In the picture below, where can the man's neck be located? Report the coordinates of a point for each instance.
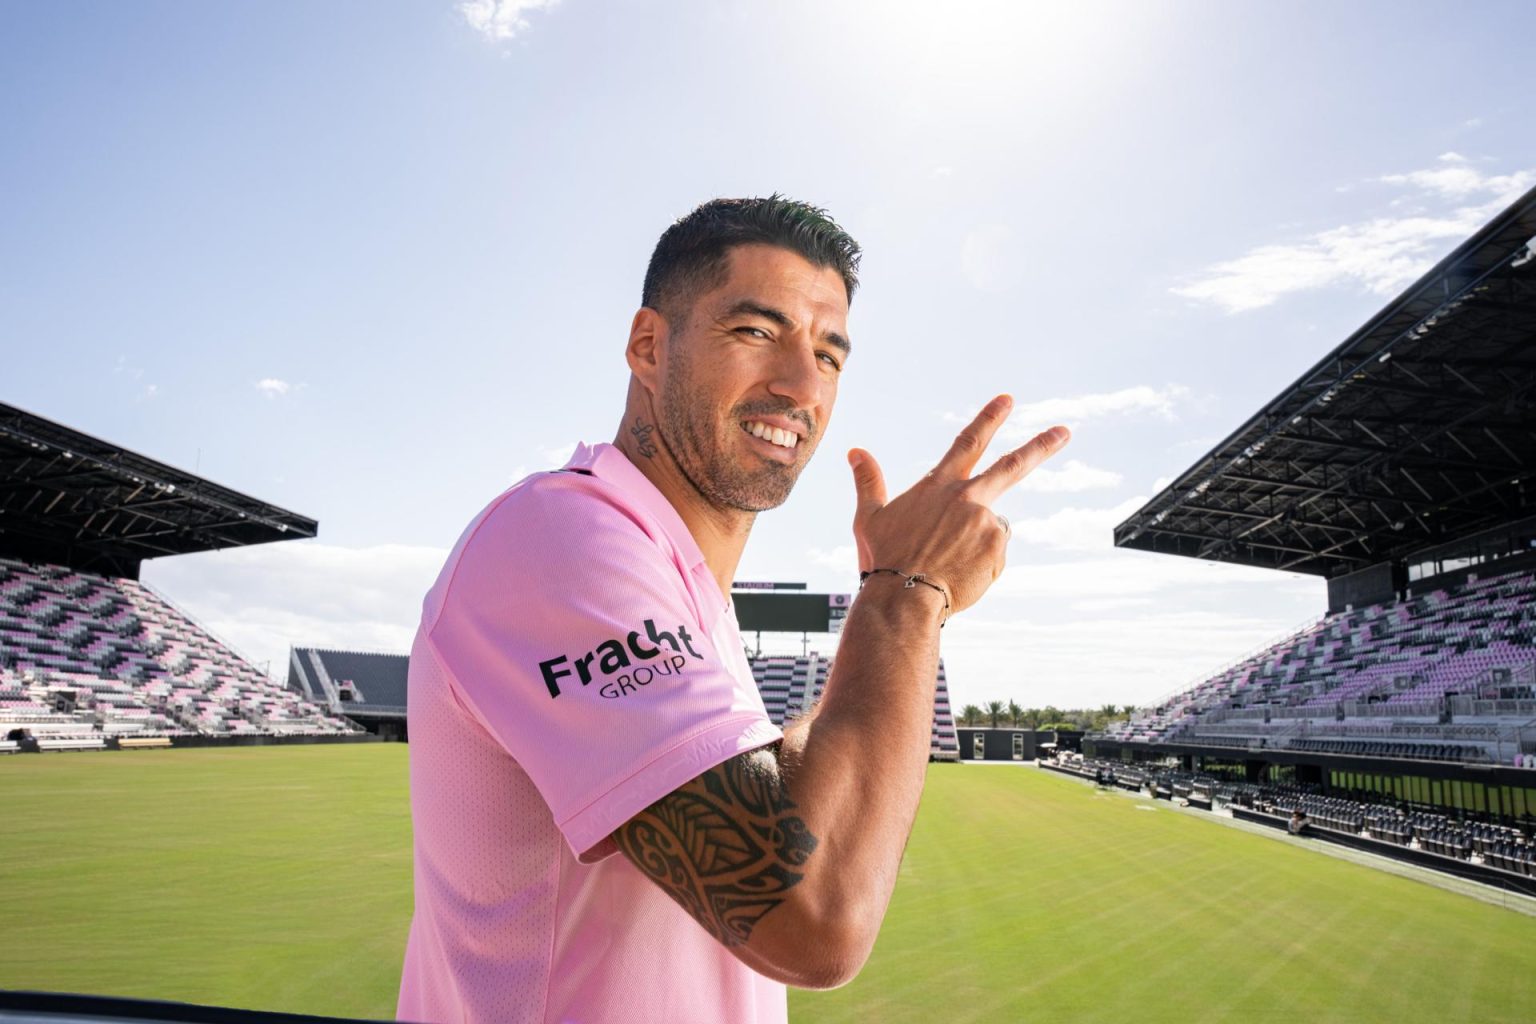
(721, 534)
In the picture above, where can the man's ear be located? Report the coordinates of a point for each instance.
(647, 344)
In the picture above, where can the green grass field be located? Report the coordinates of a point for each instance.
(279, 878)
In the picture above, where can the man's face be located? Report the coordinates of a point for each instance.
(750, 376)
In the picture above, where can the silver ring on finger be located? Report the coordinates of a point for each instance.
(1002, 521)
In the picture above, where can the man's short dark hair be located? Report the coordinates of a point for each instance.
(693, 254)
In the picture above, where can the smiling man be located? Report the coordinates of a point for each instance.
(608, 826)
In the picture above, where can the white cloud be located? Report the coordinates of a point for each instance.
(149, 393)
(1138, 657)
(1382, 254)
(1122, 574)
(271, 387)
(1110, 604)
(1455, 178)
(500, 20)
(1070, 477)
(844, 558)
(1030, 418)
(1076, 529)
(263, 599)
(1125, 402)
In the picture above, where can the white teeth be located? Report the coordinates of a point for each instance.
(773, 435)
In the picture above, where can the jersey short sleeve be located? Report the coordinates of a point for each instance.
(578, 632)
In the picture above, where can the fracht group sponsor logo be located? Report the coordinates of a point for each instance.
(625, 664)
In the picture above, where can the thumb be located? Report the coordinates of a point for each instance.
(868, 483)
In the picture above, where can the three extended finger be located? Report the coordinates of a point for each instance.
(973, 440)
(1017, 464)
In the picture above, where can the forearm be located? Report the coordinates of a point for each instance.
(876, 712)
(855, 766)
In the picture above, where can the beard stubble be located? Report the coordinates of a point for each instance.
(698, 445)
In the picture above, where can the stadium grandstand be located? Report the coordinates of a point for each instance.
(366, 687)
(1399, 469)
(92, 658)
(792, 683)
(370, 688)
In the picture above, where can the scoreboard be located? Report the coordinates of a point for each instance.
(760, 609)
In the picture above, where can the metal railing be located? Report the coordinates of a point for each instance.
(1405, 709)
(1472, 707)
(1499, 741)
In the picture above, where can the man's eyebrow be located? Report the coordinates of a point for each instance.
(746, 307)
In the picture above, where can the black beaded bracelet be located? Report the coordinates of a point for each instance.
(912, 580)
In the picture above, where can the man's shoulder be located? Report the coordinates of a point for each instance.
(557, 501)
(553, 518)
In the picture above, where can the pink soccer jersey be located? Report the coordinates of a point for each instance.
(576, 661)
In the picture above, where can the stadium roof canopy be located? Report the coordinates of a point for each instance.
(1419, 429)
(75, 500)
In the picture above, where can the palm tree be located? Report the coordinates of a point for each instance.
(995, 711)
(970, 714)
(1034, 716)
(1015, 714)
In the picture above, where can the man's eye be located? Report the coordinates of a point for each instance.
(830, 360)
(756, 332)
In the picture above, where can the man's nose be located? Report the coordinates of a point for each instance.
(797, 376)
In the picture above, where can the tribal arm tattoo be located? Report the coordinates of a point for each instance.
(726, 846)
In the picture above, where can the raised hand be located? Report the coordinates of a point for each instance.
(943, 526)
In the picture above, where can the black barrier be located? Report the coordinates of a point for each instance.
(258, 740)
(30, 745)
(60, 1008)
(1061, 770)
(1484, 873)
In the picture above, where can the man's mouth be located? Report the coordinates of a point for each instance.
(773, 435)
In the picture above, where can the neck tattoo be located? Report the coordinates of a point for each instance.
(644, 443)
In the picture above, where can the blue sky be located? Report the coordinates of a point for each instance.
(374, 261)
